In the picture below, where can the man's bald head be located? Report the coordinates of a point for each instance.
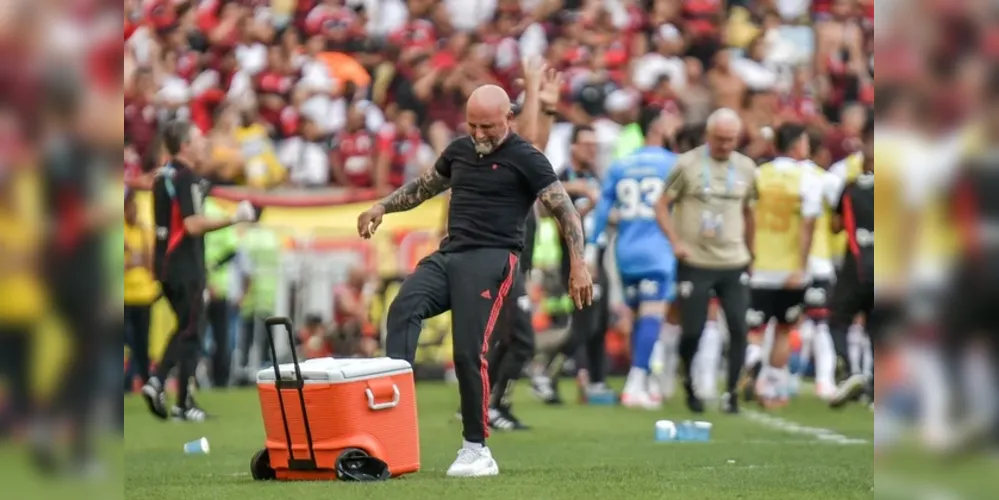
(724, 128)
(488, 115)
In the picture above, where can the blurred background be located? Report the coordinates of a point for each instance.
(314, 108)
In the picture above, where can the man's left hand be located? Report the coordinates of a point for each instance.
(580, 285)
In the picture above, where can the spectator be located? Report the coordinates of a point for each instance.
(315, 338)
(844, 139)
(306, 156)
(398, 144)
(354, 334)
(351, 153)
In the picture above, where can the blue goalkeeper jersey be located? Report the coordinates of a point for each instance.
(631, 186)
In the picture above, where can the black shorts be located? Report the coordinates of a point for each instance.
(781, 304)
(817, 298)
(187, 300)
(850, 297)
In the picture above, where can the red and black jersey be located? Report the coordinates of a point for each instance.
(355, 151)
(177, 194)
(403, 148)
(856, 208)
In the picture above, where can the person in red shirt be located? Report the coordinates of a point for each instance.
(398, 144)
(352, 151)
(844, 140)
(140, 112)
(354, 334)
(315, 338)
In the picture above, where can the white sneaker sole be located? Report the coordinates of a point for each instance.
(491, 470)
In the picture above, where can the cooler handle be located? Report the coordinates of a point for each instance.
(382, 406)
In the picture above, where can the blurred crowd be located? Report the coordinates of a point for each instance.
(363, 94)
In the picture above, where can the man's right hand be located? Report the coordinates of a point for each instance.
(680, 250)
(369, 220)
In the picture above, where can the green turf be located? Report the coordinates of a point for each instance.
(573, 452)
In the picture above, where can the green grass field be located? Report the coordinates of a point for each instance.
(574, 452)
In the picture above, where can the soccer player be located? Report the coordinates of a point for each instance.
(790, 200)
(589, 325)
(644, 256)
(854, 292)
(815, 338)
(495, 177)
(179, 262)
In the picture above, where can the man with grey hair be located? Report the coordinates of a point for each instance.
(711, 191)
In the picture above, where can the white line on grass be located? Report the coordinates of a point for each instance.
(818, 433)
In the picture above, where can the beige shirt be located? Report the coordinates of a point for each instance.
(708, 207)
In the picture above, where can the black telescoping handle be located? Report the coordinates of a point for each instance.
(298, 384)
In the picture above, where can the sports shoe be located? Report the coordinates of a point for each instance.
(694, 403)
(155, 398)
(541, 386)
(502, 419)
(640, 400)
(849, 390)
(473, 462)
(730, 403)
(189, 414)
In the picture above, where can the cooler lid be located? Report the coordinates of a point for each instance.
(338, 370)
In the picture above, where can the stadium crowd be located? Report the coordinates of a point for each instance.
(354, 93)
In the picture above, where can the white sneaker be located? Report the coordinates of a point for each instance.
(640, 400)
(473, 462)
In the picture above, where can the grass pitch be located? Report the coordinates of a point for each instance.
(804, 451)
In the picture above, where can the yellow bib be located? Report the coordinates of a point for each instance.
(823, 239)
(890, 218)
(20, 235)
(140, 287)
(778, 219)
(262, 168)
(837, 242)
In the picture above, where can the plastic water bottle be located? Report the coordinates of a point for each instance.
(665, 431)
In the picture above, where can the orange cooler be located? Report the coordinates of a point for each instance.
(366, 404)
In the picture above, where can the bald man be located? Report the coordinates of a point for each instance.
(711, 191)
(494, 176)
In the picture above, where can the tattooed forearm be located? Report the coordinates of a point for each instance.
(416, 191)
(558, 203)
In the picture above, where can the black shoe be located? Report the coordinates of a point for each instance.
(730, 403)
(502, 419)
(155, 398)
(747, 386)
(694, 403)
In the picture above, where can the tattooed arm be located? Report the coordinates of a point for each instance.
(558, 203)
(416, 191)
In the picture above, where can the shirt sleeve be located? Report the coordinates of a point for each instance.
(443, 163)
(536, 169)
(811, 193)
(676, 184)
(832, 185)
(186, 190)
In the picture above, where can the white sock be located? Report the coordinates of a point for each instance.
(669, 337)
(767, 382)
(855, 343)
(754, 354)
(709, 352)
(468, 445)
(825, 356)
(635, 383)
(868, 357)
(658, 358)
(807, 332)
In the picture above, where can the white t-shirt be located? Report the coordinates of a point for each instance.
(307, 162)
(650, 67)
(466, 15)
(755, 75)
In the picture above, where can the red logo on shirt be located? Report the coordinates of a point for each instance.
(495, 166)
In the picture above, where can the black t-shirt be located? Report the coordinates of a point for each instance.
(530, 234)
(177, 194)
(491, 194)
(72, 183)
(856, 208)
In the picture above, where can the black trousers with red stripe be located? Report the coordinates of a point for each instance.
(473, 285)
(184, 348)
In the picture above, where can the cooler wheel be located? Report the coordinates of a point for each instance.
(260, 466)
